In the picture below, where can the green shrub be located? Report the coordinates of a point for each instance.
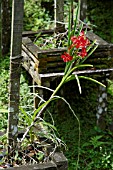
(35, 17)
(100, 14)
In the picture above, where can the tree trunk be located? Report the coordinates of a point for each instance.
(15, 69)
(6, 26)
(83, 10)
(59, 15)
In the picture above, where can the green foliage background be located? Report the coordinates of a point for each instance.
(100, 14)
(35, 16)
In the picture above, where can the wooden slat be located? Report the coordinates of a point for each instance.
(30, 46)
(29, 54)
(31, 64)
(91, 36)
(29, 33)
(98, 71)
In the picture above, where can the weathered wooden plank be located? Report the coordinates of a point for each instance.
(93, 37)
(31, 67)
(29, 54)
(33, 33)
(51, 51)
(98, 71)
(42, 166)
(30, 46)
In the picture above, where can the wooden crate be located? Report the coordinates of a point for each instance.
(37, 61)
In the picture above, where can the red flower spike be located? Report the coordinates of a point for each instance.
(74, 39)
(66, 57)
(81, 41)
(83, 53)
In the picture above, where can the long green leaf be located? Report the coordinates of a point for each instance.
(67, 67)
(78, 66)
(69, 78)
(37, 110)
(93, 50)
(91, 79)
(73, 77)
(80, 29)
(85, 58)
(78, 82)
(49, 125)
(43, 105)
(27, 117)
(91, 45)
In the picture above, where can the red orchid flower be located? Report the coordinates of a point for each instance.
(83, 52)
(80, 41)
(66, 57)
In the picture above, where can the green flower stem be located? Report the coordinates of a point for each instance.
(59, 86)
(42, 108)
